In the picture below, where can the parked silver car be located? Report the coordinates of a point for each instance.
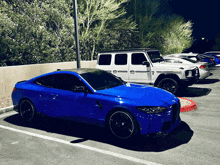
(203, 66)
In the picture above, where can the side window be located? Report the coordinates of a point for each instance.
(105, 59)
(208, 53)
(170, 61)
(121, 59)
(67, 81)
(177, 61)
(46, 81)
(137, 58)
(59, 81)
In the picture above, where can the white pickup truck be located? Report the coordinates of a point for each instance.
(147, 66)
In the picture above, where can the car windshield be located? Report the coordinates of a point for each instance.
(155, 56)
(190, 60)
(102, 80)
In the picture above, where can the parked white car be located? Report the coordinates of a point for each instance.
(204, 70)
(147, 66)
(195, 56)
(216, 53)
(192, 56)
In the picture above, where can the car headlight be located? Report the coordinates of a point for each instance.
(188, 73)
(151, 109)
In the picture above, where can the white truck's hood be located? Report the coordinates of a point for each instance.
(168, 65)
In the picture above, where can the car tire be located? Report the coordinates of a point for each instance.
(27, 110)
(169, 85)
(122, 125)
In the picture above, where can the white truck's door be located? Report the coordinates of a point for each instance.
(137, 71)
(120, 66)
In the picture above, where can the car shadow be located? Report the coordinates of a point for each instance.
(208, 81)
(85, 132)
(194, 92)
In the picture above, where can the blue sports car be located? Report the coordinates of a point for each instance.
(206, 58)
(98, 97)
(215, 54)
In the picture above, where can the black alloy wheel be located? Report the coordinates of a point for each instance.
(27, 110)
(169, 85)
(122, 125)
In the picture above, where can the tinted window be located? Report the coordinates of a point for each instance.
(190, 60)
(67, 81)
(47, 81)
(208, 53)
(170, 61)
(155, 56)
(215, 53)
(102, 80)
(105, 59)
(137, 58)
(121, 59)
(60, 81)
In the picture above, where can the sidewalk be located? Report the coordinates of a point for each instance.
(5, 102)
(187, 105)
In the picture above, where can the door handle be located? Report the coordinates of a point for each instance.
(132, 71)
(114, 71)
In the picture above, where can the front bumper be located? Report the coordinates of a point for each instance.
(194, 78)
(189, 81)
(160, 124)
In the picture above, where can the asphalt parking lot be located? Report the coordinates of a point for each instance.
(196, 141)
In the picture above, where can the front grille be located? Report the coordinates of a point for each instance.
(175, 112)
(195, 72)
(166, 126)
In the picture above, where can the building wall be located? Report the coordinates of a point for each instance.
(11, 74)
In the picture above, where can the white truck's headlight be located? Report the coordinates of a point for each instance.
(188, 73)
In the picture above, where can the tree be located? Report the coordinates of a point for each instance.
(42, 31)
(99, 25)
(6, 30)
(160, 29)
(176, 36)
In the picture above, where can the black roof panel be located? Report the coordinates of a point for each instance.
(129, 50)
(79, 70)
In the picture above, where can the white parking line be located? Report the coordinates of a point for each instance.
(121, 156)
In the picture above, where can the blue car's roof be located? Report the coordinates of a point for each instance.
(79, 70)
(74, 71)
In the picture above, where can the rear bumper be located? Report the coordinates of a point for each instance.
(204, 74)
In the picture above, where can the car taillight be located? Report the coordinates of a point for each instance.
(219, 58)
(14, 89)
(212, 59)
(202, 67)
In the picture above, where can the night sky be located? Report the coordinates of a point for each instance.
(204, 14)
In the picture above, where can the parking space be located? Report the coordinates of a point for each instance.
(195, 142)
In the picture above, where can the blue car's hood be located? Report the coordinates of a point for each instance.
(141, 94)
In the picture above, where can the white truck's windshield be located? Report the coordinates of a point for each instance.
(155, 56)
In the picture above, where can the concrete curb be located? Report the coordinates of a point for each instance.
(185, 108)
(6, 109)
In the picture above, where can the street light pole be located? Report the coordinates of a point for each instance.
(76, 34)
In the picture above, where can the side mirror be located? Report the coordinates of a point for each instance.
(146, 63)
